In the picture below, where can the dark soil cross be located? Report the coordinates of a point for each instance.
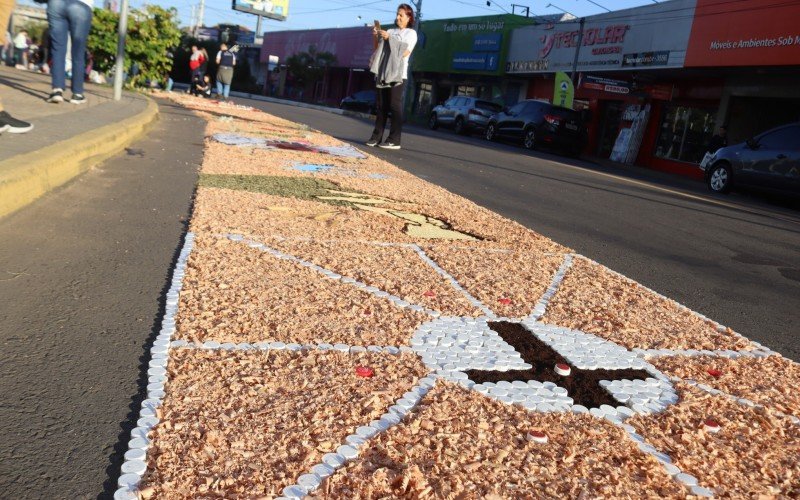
(583, 386)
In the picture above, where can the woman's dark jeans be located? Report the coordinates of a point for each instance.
(73, 18)
(389, 99)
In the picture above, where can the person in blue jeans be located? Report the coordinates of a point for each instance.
(226, 60)
(71, 18)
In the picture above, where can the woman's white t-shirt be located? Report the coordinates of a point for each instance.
(409, 37)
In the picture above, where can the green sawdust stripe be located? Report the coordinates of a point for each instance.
(309, 188)
(306, 188)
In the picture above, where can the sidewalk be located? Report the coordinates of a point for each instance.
(66, 140)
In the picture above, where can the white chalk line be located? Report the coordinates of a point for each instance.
(453, 282)
(375, 291)
(354, 443)
(541, 306)
(135, 464)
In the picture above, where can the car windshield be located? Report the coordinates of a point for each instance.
(488, 106)
(564, 113)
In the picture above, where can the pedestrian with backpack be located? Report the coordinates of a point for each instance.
(226, 61)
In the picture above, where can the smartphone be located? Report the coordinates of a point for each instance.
(377, 24)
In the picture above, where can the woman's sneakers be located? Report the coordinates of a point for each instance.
(13, 126)
(389, 145)
(57, 96)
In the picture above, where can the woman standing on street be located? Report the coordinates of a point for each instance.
(391, 98)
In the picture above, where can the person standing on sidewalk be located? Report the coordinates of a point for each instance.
(21, 50)
(390, 99)
(69, 19)
(7, 122)
(226, 60)
(196, 61)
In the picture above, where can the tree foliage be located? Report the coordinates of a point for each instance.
(152, 34)
(308, 67)
(36, 30)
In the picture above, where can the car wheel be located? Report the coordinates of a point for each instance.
(720, 180)
(459, 127)
(529, 140)
(491, 132)
(433, 122)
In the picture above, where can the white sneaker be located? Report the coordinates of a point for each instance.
(56, 96)
(389, 145)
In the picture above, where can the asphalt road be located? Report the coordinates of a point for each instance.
(83, 273)
(733, 258)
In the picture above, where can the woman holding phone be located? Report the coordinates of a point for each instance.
(390, 99)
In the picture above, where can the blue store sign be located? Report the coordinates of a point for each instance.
(475, 61)
(487, 42)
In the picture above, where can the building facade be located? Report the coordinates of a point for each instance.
(464, 56)
(352, 48)
(659, 80)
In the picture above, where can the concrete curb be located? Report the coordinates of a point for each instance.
(31, 175)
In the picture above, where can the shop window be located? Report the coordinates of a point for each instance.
(469, 90)
(685, 133)
(424, 96)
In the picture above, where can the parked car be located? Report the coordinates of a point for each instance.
(463, 113)
(769, 160)
(539, 123)
(362, 101)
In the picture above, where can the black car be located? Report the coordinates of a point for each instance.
(539, 123)
(363, 102)
(770, 160)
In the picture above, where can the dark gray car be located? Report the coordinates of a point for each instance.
(770, 160)
(463, 113)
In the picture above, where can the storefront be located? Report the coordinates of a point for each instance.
(351, 47)
(659, 80)
(464, 56)
(757, 44)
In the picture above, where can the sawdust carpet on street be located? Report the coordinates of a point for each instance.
(246, 424)
(772, 381)
(753, 453)
(234, 293)
(595, 300)
(458, 443)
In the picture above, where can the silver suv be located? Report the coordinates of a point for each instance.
(464, 113)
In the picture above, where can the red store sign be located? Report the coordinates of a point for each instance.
(745, 33)
(591, 36)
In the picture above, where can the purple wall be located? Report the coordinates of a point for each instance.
(352, 46)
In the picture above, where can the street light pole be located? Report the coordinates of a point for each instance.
(410, 90)
(577, 51)
(119, 65)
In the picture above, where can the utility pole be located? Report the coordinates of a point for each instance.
(119, 63)
(577, 52)
(200, 14)
(410, 90)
